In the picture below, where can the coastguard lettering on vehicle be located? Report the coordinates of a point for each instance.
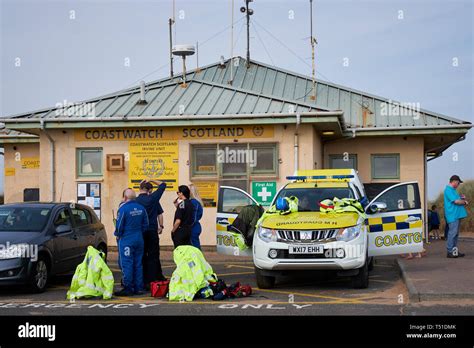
(226, 240)
(213, 132)
(401, 239)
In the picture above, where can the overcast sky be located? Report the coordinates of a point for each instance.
(411, 51)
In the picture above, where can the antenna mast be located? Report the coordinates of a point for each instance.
(171, 21)
(232, 44)
(313, 43)
(248, 12)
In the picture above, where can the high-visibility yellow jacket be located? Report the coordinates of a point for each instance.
(191, 274)
(92, 278)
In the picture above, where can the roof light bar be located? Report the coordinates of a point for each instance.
(318, 177)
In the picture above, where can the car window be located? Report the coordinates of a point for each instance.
(233, 201)
(402, 197)
(63, 218)
(81, 217)
(309, 198)
(23, 218)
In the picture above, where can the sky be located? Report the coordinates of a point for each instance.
(412, 51)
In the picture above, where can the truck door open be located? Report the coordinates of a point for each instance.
(398, 228)
(230, 202)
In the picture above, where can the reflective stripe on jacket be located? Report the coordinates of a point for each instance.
(92, 278)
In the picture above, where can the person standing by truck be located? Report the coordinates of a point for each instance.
(454, 210)
(183, 218)
(198, 211)
(151, 257)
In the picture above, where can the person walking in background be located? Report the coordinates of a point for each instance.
(183, 218)
(198, 211)
(151, 257)
(454, 210)
(434, 222)
(132, 222)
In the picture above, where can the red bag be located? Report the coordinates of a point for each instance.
(159, 289)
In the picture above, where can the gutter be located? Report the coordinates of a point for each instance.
(448, 126)
(171, 117)
(53, 159)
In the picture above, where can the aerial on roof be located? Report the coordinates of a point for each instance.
(259, 89)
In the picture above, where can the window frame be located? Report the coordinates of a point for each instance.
(384, 155)
(249, 173)
(79, 152)
(339, 156)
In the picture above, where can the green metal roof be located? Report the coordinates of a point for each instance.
(13, 136)
(259, 89)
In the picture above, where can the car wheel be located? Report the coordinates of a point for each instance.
(371, 264)
(264, 282)
(39, 275)
(361, 280)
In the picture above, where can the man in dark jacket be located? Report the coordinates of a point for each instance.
(151, 257)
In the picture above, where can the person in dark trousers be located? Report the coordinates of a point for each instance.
(454, 211)
(151, 257)
(132, 222)
(183, 218)
(434, 222)
(198, 211)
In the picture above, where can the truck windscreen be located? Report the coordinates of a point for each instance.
(308, 198)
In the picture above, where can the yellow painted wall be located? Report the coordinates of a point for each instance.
(311, 155)
(113, 182)
(23, 178)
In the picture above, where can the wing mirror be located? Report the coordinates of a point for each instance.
(63, 229)
(377, 207)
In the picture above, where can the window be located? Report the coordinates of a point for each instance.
(81, 217)
(233, 201)
(204, 160)
(89, 162)
(343, 161)
(234, 164)
(264, 159)
(386, 166)
(63, 218)
(402, 197)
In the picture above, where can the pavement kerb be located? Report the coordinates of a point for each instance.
(413, 293)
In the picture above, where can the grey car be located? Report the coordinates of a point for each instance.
(40, 240)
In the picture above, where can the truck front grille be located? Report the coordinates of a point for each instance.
(306, 236)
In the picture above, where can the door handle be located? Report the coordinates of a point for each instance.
(223, 222)
(412, 219)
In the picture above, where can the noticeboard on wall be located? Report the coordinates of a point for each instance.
(89, 193)
(208, 192)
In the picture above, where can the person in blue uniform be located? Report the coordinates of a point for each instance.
(132, 222)
(151, 258)
(198, 211)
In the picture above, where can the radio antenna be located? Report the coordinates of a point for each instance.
(313, 43)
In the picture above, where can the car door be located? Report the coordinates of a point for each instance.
(64, 242)
(83, 229)
(230, 201)
(398, 228)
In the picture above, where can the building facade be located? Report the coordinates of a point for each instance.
(250, 133)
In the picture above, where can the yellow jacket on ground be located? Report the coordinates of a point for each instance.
(191, 274)
(92, 278)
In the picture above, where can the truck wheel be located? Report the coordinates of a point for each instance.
(361, 280)
(371, 264)
(264, 282)
(39, 275)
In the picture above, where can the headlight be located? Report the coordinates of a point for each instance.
(349, 233)
(266, 234)
(13, 251)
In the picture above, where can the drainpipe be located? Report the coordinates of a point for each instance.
(53, 158)
(298, 121)
(425, 194)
